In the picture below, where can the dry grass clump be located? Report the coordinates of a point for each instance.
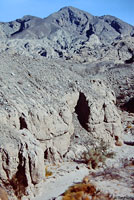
(129, 126)
(47, 172)
(129, 162)
(118, 143)
(85, 191)
(97, 155)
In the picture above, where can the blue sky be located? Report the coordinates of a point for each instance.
(13, 9)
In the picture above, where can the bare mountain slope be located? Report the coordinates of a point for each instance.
(69, 33)
(70, 19)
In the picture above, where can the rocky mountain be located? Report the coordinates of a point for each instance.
(70, 20)
(69, 33)
(65, 83)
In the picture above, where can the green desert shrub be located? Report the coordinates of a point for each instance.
(97, 155)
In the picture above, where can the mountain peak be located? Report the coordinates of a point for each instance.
(75, 23)
(74, 10)
(68, 7)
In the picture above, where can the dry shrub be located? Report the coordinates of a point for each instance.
(85, 191)
(97, 155)
(47, 172)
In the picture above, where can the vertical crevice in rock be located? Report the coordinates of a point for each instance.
(19, 180)
(46, 154)
(105, 118)
(129, 106)
(23, 123)
(82, 110)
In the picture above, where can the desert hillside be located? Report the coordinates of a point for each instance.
(66, 93)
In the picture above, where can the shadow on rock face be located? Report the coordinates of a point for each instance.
(82, 110)
(19, 182)
(129, 61)
(129, 106)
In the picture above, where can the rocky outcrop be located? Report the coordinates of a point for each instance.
(21, 162)
(38, 99)
(97, 113)
(80, 22)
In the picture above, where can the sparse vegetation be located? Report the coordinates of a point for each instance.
(47, 172)
(129, 126)
(85, 191)
(97, 155)
(129, 162)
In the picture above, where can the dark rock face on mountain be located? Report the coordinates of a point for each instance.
(59, 80)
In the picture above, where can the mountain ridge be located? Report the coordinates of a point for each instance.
(70, 33)
(70, 14)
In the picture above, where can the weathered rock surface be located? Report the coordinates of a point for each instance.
(21, 161)
(38, 99)
(3, 194)
(54, 109)
(115, 178)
